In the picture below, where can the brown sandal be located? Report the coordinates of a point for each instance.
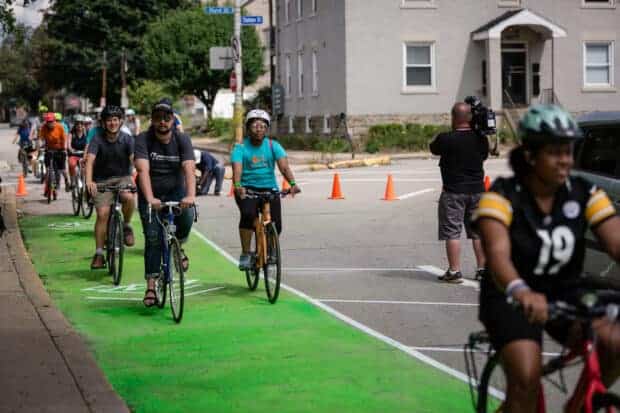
(150, 300)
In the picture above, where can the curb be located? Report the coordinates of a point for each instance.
(96, 391)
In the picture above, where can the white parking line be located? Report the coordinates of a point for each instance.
(460, 350)
(356, 324)
(204, 291)
(416, 193)
(369, 180)
(140, 299)
(337, 300)
(333, 269)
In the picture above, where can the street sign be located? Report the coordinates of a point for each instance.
(220, 58)
(251, 20)
(219, 10)
(277, 99)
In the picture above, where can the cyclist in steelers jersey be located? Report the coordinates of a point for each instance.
(533, 227)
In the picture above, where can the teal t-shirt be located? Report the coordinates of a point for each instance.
(92, 132)
(258, 162)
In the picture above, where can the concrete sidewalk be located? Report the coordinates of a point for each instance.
(46, 366)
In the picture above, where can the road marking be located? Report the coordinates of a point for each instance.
(369, 180)
(323, 269)
(131, 288)
(431, 269)
(362, 327)
(204, 291)
(460, 350)
(416, 193)
(337, 300)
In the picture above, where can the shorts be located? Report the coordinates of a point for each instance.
(455, 210)
(60, 159)
(104, 199)
(505, 323)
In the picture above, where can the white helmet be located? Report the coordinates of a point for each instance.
(79, 118)
(197, 154)
(88, 119)
(258, 114)
(130, 112)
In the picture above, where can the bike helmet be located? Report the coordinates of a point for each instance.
(49, 117)
(111, 111)
(58, 116)
(130, 112)
(258, 114)
(544, 124)
(164, 105)
(79, 118)
(43, 109)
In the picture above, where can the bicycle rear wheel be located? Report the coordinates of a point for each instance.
(492, 378)
(118, 249)
(272, 269)
(50, 185)
(252, 275)
(176, 283)
(602, 402)
(76, 199)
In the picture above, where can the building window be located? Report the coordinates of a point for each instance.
(602, 4)
(288, 76)
(598, 64)
(300, 74)
(419, 68)
(287, 11)
(315, 74)
(300, 9)
(307, 123)
(314, 6)
(418, 4)
(326, 128)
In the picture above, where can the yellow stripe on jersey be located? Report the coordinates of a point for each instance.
(599, 207)
(493, 205)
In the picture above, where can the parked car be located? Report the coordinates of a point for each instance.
(597, 158)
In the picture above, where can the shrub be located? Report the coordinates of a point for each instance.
(219, 127)
(409, 137)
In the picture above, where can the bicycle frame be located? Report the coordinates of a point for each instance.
(167, 231)
(259, 230)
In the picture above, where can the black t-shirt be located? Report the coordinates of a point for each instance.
(165, 160)
(546, 249)
(112, 158)
(462, 154)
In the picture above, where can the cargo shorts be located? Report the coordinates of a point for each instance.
(455, 210)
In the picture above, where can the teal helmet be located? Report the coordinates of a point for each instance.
(544, 124)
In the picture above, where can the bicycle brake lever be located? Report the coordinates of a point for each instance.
(149, 212)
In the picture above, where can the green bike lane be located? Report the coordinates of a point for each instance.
(233, 351)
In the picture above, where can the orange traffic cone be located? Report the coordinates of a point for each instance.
(389, 190)
(231, 193)
(487, 183)
(336, 192)
(285, 185)
(21, 186)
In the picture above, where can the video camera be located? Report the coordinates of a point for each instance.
(482, 118)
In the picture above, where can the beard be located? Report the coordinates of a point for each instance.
(163, 129)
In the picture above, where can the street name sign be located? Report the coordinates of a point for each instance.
(219, 10)
(251, 20)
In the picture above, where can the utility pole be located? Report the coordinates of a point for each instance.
(124, 99)
(238, 116)
(104, 74)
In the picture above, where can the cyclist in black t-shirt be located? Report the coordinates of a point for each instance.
(533, 229)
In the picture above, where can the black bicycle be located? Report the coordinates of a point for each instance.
(266, 255)
(115, 246)
(597, 298)
(77, 186)
(52, 178)
(172, 274)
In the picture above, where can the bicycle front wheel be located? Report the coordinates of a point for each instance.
(119, 249)
(252, 275)
(87, 204)
(492, 378)
(176, 283)
(603, 402)
(272, 269)
(76, 199)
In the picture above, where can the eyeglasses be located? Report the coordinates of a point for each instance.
(159, 118)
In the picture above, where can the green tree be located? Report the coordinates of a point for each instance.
(176, 50)
(7, 19)
(80, 31)
(145, 93)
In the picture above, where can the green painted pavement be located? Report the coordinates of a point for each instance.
(233, 351)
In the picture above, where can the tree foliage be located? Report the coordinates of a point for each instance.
(80, 31)
(145, 93)
(176, 50)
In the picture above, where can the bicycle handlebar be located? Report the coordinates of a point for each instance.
(175, 206)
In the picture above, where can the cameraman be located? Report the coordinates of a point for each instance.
(462, 153)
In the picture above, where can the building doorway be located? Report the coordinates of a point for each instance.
(514, 74)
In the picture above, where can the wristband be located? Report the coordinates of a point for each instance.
(292, 183)
(237, 184)
(514, 286)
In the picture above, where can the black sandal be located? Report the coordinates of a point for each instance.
(151, 300)
(184, 261)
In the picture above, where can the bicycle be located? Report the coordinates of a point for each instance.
(267, 246)
(77, 186)
(24, 158)
(115, 246)
(590, 393)
(172, 275)
(52, 178)
(40, 169)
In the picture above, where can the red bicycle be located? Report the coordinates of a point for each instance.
(590, 394)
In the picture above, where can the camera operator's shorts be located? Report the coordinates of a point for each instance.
(455, 210)
(103, 199)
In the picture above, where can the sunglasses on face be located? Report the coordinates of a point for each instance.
(159, 118)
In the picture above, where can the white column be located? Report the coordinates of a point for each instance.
(494, 73)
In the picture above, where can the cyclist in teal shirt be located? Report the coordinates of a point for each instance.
(254, 164)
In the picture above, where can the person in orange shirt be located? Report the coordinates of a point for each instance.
(54, 138)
